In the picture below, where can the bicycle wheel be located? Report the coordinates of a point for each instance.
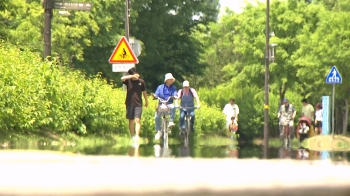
(165, 132)
(188, 129)
(286, 136)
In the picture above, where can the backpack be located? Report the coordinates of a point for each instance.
(182, 92)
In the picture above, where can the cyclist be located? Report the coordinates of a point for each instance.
(286, 114)
(164, 91)
(187, 96)
(135, 86)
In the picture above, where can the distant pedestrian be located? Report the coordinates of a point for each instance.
(307, 110)
(318, 119)
(231, 110)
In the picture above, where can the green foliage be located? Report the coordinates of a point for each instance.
(41, 96)
(166, 28)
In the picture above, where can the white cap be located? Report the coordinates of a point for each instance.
(169, 76)
(185, 84)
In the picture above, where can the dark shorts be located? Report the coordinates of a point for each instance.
(318, 124)
(133, 112)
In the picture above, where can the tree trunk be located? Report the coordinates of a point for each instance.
(346, 116)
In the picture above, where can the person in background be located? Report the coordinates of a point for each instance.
(307, 110)
(134, 88)
(164, 91)
(187, 96)
(286, 114)
(318, 119)
(231, 110)
(232, 128)
(303, 131)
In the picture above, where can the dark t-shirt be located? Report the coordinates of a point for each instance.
(134, 92)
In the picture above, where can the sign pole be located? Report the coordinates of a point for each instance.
(126, 29)
(333, 92)
(267, 62)
(333, 78)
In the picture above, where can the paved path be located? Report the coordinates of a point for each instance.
(49, 173)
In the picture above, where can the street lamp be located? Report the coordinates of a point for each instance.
(267, 62)
(272, 52)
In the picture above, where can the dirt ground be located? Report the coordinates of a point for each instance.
(49, 173)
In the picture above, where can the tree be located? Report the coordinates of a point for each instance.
(287, 21)
(326, 47)
(166, 28)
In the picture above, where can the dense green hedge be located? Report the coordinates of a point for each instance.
(39, 96)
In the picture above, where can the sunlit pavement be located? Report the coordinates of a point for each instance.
(48, 173)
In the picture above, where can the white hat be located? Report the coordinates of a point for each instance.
(169, 76)
(185, 84)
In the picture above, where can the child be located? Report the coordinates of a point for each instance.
(303, 131)
(303, 128)
(318, 119)
(232, 127)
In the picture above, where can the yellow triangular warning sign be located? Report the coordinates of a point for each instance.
(123, 53)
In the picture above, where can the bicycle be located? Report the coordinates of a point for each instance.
(188, 126)
(164, 111)
(285, 134)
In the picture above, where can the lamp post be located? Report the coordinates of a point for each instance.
(267, 62)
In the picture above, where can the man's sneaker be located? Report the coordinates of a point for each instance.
(157, 150)
(158, 135)
(136, 139)
(171, 124)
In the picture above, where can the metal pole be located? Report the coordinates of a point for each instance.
(333, 110)
(267, 61)
(127, 15)
(47, 27)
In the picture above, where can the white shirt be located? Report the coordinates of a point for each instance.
(231, 110)
(318, 115)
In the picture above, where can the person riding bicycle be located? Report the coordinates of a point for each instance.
(164, 91)
(286, 114)
(187, 96)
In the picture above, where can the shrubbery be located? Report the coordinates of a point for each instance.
(39, 96)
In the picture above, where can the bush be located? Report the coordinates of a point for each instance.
(40, 96)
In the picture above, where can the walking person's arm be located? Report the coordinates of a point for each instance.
(146, 98)
(237, 112)
(128, 77)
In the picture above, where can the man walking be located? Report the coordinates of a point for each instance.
(307, 110)
(231, 110)
(135, 87)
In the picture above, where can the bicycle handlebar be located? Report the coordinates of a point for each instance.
(186, 108)
(162, 100)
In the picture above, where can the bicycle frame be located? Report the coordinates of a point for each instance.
(164, 111)
(187, 123)
(287, 130)
(286, 139)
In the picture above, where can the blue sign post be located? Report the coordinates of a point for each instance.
(333, 77)
(325, 115)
